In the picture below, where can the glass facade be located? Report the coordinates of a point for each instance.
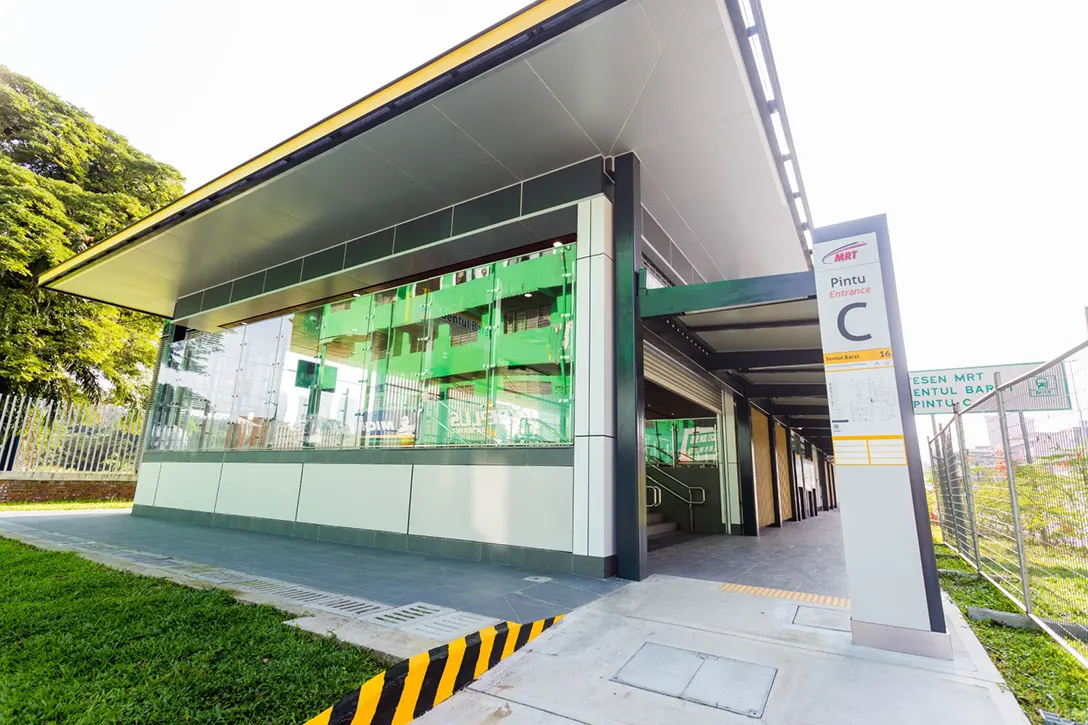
(682, 442)
(478, 357)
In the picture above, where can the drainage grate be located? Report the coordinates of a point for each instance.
(449, 626)
(351, 606)
(327, 601)
(408, 614)
(538, 579)
(291, 592)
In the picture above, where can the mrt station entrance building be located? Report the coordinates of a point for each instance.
(543, 301)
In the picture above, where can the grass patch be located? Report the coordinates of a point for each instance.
(81, 643)
(949, 560)
(64, 505)
(1039, 672)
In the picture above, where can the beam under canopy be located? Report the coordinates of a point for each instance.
(689, 298)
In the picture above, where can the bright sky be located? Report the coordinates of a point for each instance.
(963, 121)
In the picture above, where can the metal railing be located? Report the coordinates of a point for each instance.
(50, 436)
(1017, 508)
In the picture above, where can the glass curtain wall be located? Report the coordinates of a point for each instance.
(477, 357)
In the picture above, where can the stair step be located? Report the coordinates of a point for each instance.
(665, 527)
(654, 517)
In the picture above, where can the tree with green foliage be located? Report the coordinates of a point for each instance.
(67, 183)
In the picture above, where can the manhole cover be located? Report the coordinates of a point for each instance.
(720, 682)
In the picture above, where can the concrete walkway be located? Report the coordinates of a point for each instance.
(394, 578)
(802, 556)
(674, 650)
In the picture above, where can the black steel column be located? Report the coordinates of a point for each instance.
(775, 494)
(813, 508)
(802, 490)
(795, 504)
(630, 495)
(823, 483)
(746, 470)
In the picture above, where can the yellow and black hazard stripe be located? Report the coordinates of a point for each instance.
(413, 686)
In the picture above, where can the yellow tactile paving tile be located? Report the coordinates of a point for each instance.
(785, 594)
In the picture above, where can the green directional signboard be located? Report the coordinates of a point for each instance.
(937, 391)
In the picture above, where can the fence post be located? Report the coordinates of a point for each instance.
(965, 474)
(1012, 492)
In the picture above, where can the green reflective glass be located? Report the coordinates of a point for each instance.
(530, 392)
(477, 357)
(684, 441)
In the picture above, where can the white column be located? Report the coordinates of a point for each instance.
(594, 384)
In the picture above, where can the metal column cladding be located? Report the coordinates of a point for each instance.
(630, 495)
(746, 469)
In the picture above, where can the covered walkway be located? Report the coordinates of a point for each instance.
(801, 557)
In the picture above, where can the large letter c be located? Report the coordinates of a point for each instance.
(842, 323)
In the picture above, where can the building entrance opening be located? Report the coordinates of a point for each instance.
(685, 488)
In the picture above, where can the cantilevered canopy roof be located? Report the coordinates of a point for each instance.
(562, 81)
(761, 336)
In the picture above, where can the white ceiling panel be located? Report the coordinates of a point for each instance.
(786, 311)
(767, 338)
(512, 114)
(699, 17)
(695, 78)
(663, 16)
(598, 73)
(427, 146)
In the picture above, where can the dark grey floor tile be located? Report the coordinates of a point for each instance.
(529, 610)
(559, 594)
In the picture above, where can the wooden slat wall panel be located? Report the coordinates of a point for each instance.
(782, 452)
(761, 449)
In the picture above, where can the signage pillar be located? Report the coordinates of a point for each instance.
(895, 600)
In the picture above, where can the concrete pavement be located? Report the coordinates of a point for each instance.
(674, 650)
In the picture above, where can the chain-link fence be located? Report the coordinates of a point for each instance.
(1017, 507)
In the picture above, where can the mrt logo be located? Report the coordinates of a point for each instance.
(845, 253)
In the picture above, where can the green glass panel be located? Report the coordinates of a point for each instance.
(455, 401)
(530, 386)
(684, 441)
(477, 357)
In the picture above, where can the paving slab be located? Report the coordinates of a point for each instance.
(820, 676)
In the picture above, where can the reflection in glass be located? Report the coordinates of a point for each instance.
(478, 357)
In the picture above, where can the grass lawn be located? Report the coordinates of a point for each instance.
(1039, 672)
(63, 505)
(82, 643)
